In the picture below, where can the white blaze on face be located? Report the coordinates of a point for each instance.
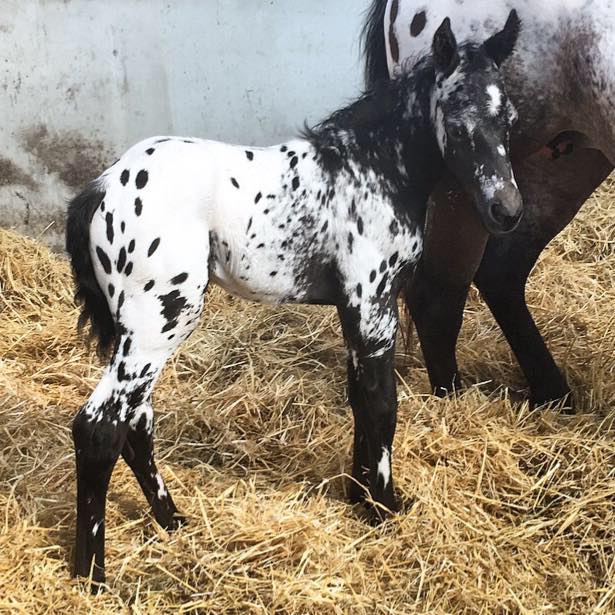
(495, 99)
(501, 150)
(384, 466)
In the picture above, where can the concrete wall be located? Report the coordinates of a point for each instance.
(80, 80)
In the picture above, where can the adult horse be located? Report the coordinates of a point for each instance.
(562, 81)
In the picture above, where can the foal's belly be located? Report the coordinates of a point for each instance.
(270, 274)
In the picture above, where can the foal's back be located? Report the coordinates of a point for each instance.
(269, 224)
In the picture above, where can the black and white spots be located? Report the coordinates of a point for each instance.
(179, 279)
(104, 260)
(153, 246)
(121, 260)
(109, 221)
(141, 179)
(417, 24)
(173, 304)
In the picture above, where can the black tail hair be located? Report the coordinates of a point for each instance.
(373, 44)
(94, 306)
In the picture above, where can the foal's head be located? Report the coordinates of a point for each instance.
(473, 117)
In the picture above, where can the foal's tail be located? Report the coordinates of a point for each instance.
(94, 306)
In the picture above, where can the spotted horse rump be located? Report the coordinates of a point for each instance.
(333, 217)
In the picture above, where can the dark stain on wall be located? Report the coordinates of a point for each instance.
(76, 159)
(11, 174)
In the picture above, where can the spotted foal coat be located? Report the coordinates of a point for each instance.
(334, 217)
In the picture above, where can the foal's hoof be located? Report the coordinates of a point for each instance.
(96, 583)
(175, 522)
(559, 401)
(371, 511)
(97, 587)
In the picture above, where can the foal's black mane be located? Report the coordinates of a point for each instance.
(382, 109)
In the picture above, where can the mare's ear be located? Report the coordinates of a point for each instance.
(444, 49)
(501, 45)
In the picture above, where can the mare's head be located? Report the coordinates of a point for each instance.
(473, 117)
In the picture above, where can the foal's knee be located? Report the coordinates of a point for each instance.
(97, 440)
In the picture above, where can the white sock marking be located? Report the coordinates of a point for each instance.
(384, 466)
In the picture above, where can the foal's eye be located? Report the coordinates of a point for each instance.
(456, 132)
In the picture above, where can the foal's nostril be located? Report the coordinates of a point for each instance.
(498, 213)
(502, 217)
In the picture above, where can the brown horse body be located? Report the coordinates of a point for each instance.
(562, 83)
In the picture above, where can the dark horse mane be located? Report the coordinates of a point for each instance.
(382, 107)
(373, 44)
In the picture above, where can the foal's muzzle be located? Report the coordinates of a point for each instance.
(504, 212)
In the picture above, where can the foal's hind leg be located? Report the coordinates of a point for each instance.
(117, 418)
(553, 192)
(373, 398)
(138, 453)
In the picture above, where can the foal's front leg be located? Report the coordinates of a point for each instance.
(373, 397)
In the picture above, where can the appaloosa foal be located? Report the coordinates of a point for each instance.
(333, 218)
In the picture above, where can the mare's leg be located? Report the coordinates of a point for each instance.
(453, 248)
(373, 398)
(553, 192)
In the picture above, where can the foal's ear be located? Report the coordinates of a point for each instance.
(444, 49)
(501, 45)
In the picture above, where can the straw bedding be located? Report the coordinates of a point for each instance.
(503, 510)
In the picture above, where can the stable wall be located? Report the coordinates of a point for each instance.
(80, 81)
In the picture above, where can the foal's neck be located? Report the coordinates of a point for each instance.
(388, 131)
